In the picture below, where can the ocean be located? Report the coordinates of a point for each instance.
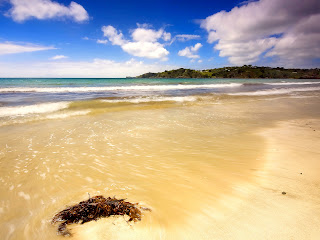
(181, 147)
(41, 98)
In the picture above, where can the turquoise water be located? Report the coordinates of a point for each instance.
(36, 82)
(26, 91)
(23, 97)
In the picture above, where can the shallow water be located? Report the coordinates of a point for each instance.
(181, 156)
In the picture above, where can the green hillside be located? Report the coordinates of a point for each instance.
(246, 71)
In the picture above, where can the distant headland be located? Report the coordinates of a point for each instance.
(246, 71)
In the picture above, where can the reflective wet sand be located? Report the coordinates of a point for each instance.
(192, 164)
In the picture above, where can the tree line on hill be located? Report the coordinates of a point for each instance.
(246, 71)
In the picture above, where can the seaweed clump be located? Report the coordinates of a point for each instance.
(93, 209)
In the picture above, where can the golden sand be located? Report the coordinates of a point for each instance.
(292, 167)
(206, 171)
(254, 210)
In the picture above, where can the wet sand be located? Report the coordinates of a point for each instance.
(207, 171)
(175, 161)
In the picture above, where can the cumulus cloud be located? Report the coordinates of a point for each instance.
(115, 37)
(166, 36)
(301, 43)
(46, 9)
(151, 50)
(12, 48)
(148, 35)
(244, 52)
(286, 29)
(144, 43)
(100, 68)
(190, 52)
(58, 57)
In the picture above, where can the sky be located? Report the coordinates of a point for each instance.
(103, 38)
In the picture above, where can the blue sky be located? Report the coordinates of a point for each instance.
(61, 38)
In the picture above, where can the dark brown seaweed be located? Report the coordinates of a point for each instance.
(93, 209)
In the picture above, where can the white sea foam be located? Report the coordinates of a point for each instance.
(32, 109)
(66, 115)
(138, 87)
(119, 88)
(153, 99)
(292, 83)
(275, 91)
(24, 195)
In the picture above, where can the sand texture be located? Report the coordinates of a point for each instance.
(292, 166)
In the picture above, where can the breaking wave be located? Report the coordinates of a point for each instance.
(32, 109)
(119, 88)
(292, 83)
(275, 91)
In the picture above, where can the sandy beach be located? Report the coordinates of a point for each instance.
(209, 166)
(292, 167)
(159, 120)
(283, 201)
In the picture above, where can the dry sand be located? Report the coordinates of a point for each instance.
(292, 166)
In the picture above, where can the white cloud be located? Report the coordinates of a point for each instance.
(301, 43)
(244, 52)
(153, 50)
(146, 35)
(45, 9)
(12, 48)
(144, 25)
(145, 41)
(184, 38)
(102, 41)
(115, 37)
(166, 36)
(190, 52)
(287, 29)
(103, 68)
(200, 61)
(58, 57)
